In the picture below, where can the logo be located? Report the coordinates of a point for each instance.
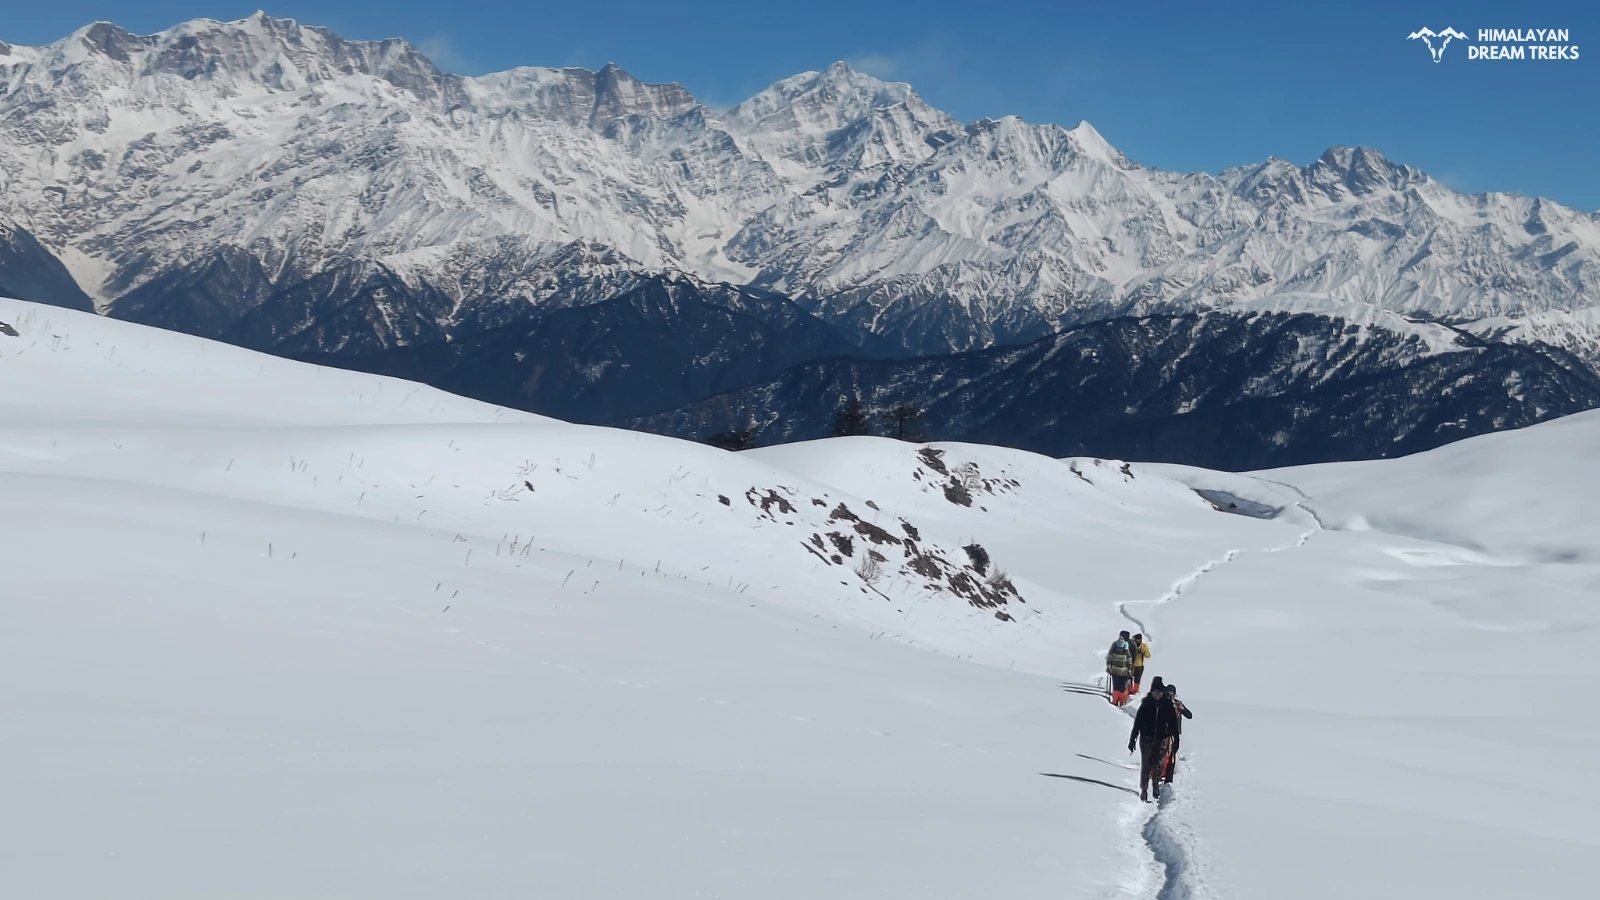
(1443, 37)
(1503, 43)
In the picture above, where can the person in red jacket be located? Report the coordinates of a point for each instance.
(1177, 735)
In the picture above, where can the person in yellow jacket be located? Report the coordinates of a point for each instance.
(1141, 653)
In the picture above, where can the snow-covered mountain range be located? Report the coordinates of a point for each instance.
(528, 236)
(145, 159)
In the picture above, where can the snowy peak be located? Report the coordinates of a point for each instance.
(830, 126)
(618, 95)
(577, 98)
(1043, 151)
(832, 99)
(1361, 171)
(1269, 180)
(1092, 144)
(781, 98)
(109, 40)
(280, 54)
(1340, 175)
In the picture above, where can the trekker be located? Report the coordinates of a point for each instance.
(1177, 734)
(1141, 655)
(1153, 728)
(1119, 665)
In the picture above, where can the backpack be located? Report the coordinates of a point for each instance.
(1119, 661)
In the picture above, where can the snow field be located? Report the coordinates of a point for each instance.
(278, 655)
(274, 631)
(1388, 709)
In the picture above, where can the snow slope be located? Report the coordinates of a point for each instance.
(1393, 708)
(1526, 497)
(1576, 331)
(269, 630)
(326, 641)
(67, 367)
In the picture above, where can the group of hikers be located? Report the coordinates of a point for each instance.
(1158, 724)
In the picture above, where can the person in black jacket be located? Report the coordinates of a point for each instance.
(1153, 728)
(1177, 736)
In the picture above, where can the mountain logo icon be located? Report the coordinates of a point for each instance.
(1443, 37)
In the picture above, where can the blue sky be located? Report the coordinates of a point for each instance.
(1178, 85)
